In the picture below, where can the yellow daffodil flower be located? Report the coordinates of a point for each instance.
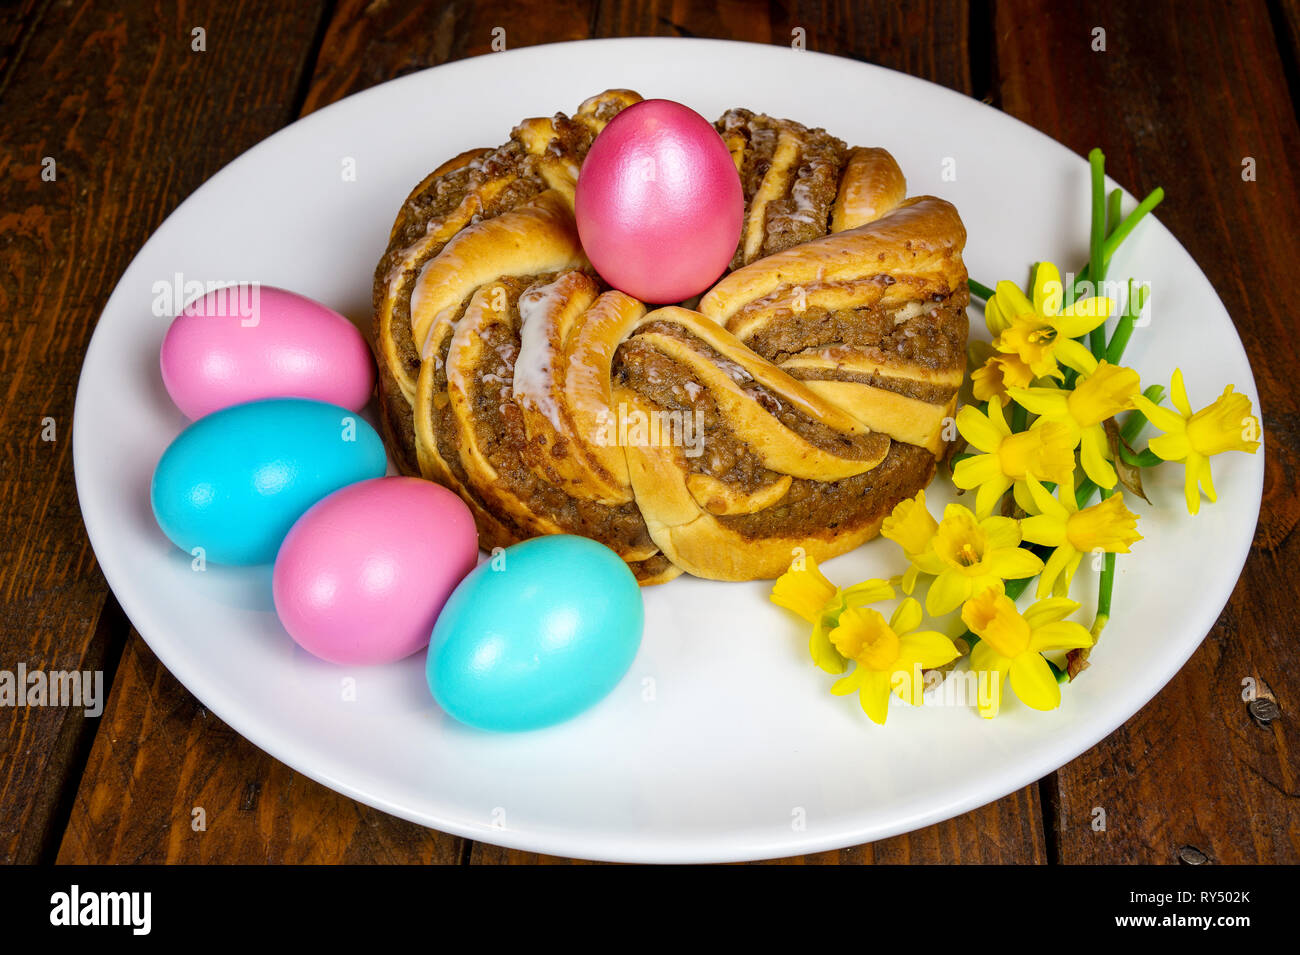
(1225, 425)
(1101, 393)
(1039, 332)
(993, 372)
(888, 656)
(967, 556)
(1046, 451)
(1109, 527)
(911, 527)
(1013, 644)
(805, 590)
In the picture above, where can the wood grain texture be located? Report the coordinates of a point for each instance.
(122, 105)
(169, 782)
(373, 41)
(1182, 95)
(926, 38)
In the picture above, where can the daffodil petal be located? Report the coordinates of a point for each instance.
(823, 652)
(868, 592)
(1041, 401)
(1048, 291)
(1092, 455)
(909, 579)
(1052, 570)
(984, 657)
(1012, 301)
(1191, 490)
(1070, 569)
(929, 648)
(874, 695)
(929, 562)
(1074, 355)
(1034, 683)
(850, 683)
(1060, 635)
(1049, 611)
(908, 681)
(1083, 316)
(1020, 491)
(979, 430)
(973, 472)
(1000, 532)
(1171, 447)
(1178, 394)
(1206, 479)
(991, 669)
(1014, 563)
(946, 593)
(993, 317)
(1045, 530)
(1044, 502)
(990, 492)
(907, 616)
(1164, 419)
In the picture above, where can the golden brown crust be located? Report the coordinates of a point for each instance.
(803, 398)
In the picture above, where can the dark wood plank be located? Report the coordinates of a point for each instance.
(124, 106)
(926, 38)
(18, 22)
(1181, 96)
(369, 43)
(169, 782)
(1286, 27)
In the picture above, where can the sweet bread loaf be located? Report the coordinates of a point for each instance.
(793, 406)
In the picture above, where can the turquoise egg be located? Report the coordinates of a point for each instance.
(235, 481)
(536, 635)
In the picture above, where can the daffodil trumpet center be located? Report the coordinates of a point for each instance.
(879, 649)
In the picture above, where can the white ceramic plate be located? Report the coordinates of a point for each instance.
(723, 742)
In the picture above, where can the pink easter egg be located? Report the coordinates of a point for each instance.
(362, 576)
(247, 342)
(659, 204)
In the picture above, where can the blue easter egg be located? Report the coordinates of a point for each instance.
(234, 482)
(537, 635)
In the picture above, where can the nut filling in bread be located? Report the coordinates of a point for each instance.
(789, 411)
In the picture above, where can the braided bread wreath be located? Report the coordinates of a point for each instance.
(798, 401)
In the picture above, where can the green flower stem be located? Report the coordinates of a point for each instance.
(1144, 459)
(1084, 492)
(1019, 418)
(1113, 210)
(1124, 327)
(978, 290)
(1118, 236)
(1097, 237)
(1105, 587)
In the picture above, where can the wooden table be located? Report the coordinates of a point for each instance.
(136, 119)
